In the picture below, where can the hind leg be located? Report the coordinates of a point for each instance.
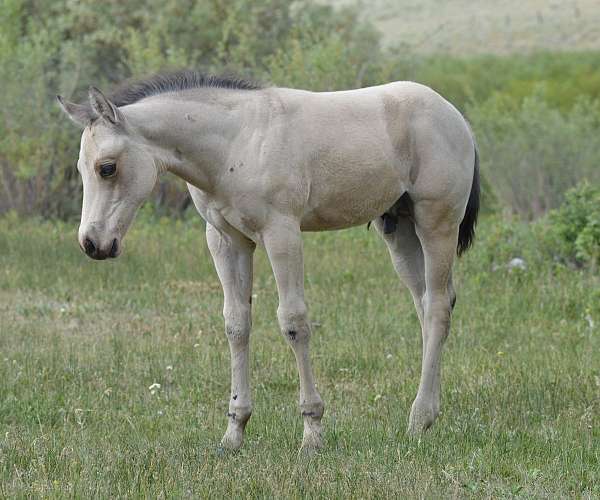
(406, 253)
(437, 231)
(407, 257)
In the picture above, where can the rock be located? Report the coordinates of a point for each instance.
(517, 263)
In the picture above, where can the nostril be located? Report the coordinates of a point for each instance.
(89, 246)
(114, 248)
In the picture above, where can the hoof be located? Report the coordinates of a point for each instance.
(232, 440)
(422, 417)
(312, 441)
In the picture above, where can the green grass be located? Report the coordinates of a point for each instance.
(82, 341)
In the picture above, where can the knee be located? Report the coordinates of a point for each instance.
(237, 323)
(293, 321)
(438, 302)
(438, 307)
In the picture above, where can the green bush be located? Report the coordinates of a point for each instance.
(573, 230)
(32, 134)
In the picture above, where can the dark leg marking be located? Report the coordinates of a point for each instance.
(292, 334)
(232, 415)
(235, 396)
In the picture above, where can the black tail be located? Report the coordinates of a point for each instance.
(466, 232)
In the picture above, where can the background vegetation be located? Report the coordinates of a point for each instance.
(536, 116)
(81, 342)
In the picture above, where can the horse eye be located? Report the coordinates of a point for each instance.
(108, 170)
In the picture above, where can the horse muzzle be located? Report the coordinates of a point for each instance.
(95, 250)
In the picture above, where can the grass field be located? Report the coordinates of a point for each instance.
(81, 342)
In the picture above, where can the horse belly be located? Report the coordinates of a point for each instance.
(351, 194)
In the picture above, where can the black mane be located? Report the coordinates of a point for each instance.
(172, 82)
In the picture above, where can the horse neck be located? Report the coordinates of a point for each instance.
(192, 138)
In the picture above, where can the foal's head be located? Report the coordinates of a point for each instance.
(118, 174)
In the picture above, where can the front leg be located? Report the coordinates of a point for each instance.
(232, 256)
(283, 243)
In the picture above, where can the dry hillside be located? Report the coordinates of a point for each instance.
(501, 26)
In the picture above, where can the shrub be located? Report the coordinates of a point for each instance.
(32, 134)
(573, 230)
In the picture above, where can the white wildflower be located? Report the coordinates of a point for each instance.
(154, 388)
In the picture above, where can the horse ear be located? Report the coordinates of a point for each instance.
(103, 107)
(80, 115)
